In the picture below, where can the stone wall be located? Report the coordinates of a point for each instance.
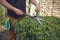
(56, 8)
(46, 7)
(50, 8)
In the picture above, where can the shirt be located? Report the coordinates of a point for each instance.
(20, 4)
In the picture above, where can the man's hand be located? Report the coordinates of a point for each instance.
(19, 12)
(37, 8)
(36, 4)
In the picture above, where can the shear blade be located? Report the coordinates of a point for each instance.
(38, 20)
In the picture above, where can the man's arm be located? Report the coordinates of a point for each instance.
(36, 4)
(10, 7)
(7, 5)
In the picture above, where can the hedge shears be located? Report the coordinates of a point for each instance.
(36, 17)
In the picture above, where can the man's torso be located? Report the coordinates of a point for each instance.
(20, 4)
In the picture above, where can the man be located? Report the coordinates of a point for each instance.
(16, 9)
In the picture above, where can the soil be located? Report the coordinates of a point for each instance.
(4, 35)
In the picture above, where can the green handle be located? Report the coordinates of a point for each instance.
(7, 24)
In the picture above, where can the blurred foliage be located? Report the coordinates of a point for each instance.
(30, 29)
(2, 15)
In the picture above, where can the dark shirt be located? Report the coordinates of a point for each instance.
(20, 4)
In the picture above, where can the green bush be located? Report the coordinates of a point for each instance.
(30, 29)
(2, 15)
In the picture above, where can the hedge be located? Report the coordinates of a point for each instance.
(30, 29)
